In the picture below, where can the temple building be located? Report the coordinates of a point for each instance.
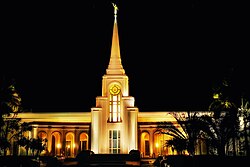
(113, 126)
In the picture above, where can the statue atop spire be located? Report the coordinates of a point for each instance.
(115, 10)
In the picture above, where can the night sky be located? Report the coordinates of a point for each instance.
(173, 52)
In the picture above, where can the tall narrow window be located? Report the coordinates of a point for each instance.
(83, 141)
(115, 104)
(114, 141)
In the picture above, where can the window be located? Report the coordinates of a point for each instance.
(83, 141)
(115, 104)
(114, 141)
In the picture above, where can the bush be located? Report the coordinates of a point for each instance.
(157, 161)
(83, 157)
(53, 162)
(134, 155)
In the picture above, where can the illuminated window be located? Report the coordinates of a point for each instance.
(115, 104)
(114, 141)
(56, 145)
(70, 144)
(145, 145)
(83, 141)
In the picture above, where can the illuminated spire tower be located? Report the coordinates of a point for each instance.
(114, 119)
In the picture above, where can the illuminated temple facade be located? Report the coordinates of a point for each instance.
(113, 126)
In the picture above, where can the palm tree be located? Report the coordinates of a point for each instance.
(177, 143)
(10, 105)
(217, 132)
(26, 143)
(244, 113)
(37, 145)
(184, 137)
(223, 126)
(10, 100)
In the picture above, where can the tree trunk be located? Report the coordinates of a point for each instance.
(234, 147)
(6, 137)
(246, 143)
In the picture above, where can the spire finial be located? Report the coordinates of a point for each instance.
(115, 10)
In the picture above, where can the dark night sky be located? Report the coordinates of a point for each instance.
(173, 52)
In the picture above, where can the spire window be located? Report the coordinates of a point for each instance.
(115, 104)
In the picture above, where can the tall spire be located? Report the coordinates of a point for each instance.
(115, 65)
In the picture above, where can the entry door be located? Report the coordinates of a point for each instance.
(114, 141)
(147, 152)
(83, 145)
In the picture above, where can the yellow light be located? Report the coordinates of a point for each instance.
(216, 96)
(74, 145)
(68, 146)
(157, 145)
(58, 145)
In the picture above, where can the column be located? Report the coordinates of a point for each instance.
(95, 130)
(151, 142)
(132, 130)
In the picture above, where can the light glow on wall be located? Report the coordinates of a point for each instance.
(58, 145)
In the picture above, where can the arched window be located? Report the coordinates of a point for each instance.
(145, 144)
(83, 141)
(56, 145)
(70, 144)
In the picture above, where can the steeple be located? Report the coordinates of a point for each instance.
(115, 65)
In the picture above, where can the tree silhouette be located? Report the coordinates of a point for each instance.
(244, 113)
(12, 129)
(184, 137)
(223, 126)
